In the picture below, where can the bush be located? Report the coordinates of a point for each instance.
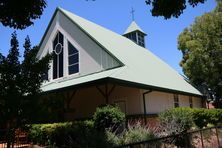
(176, 121)
(76, 134)
(114, 138)
(215, 116)
(48, 134)
(203, 117)
(137, 133)
(134, 133)
(108, 117)
(200, 117)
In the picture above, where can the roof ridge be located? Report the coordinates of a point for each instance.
(140, 66)
(133, 27)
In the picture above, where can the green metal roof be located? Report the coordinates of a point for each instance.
(133, 27)
(140, 65)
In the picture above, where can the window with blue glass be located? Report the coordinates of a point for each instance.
(73, 55)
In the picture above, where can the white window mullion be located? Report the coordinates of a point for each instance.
(51, 64)
(137, 38)
(57, 56)
(65, 57)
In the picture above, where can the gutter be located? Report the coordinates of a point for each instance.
(144, 104)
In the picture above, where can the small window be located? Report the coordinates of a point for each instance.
(73, 59)
(140, 39)
(191, 102)
(176, 100)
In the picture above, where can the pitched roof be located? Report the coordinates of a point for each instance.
(140, 65)
(133, 27)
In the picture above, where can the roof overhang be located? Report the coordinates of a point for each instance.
(110, 80)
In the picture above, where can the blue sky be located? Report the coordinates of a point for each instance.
(115, 15)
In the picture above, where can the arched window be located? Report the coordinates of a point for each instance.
(73, 55)
(58, 56)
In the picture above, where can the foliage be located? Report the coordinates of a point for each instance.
(20, 83)
(176, 120)
(77, 134)
(14, 15)
(108, 117)
(20, 14)
(137, 133)
(200, 118)
(201, 47)
(114, 138)
(47, 134)
(204, 117)
(134, 133)
(170, 8)
(215, 116)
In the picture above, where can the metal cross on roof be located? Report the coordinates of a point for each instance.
(132, 12)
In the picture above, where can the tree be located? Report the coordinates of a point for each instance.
(20, 84)
(201, 46)
(170, 8)
(20, 14)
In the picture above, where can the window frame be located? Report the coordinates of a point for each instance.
(48, 47)
(68, 65)
(176, 100)
(191, 101)
(57, 56)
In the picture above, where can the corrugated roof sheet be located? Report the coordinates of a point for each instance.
(133, 27)
(140, 65)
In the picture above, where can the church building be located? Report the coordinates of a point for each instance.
(93, 66)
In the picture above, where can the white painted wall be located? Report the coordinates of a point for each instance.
(92, 57)
(131, 96)
(86, 100)
(159, 101)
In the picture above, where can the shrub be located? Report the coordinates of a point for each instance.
(48, 134)
(203, 117)
(200, 117)
(114, 138)
(108, 117)
(76, 134)
(137, 133)
(215, 116)
(134, 133)
(176, 121)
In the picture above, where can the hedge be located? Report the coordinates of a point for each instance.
(200, 117)
(68, 134)
(79, 134)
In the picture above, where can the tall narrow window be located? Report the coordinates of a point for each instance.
(58, 56)
(73, 55)
(191, 102)
(176, 100)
